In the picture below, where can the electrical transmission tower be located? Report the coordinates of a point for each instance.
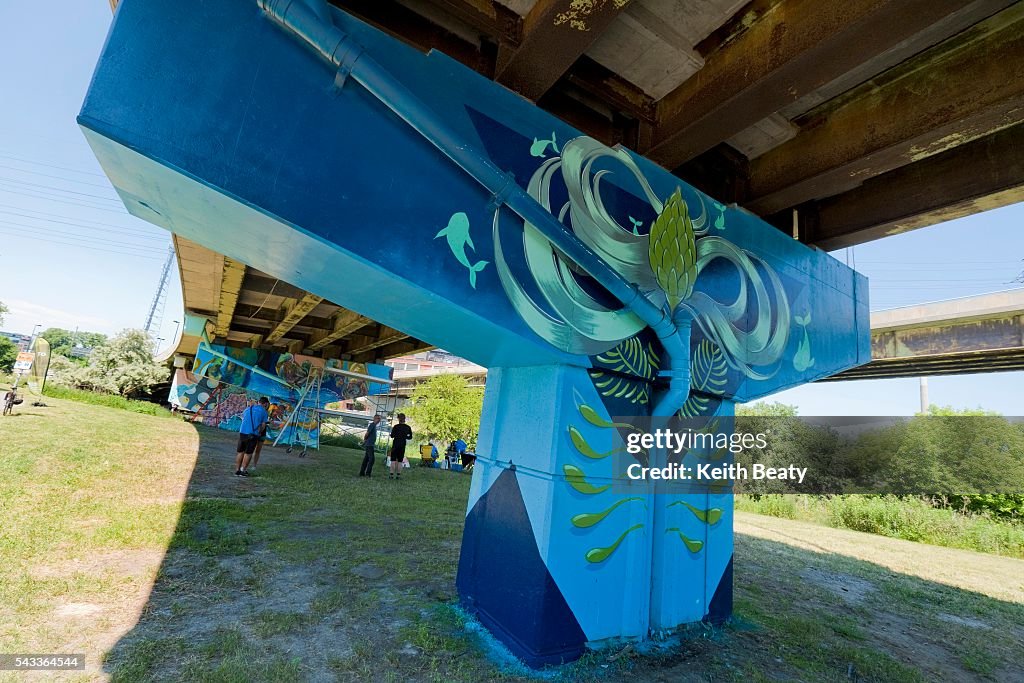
(155, 317)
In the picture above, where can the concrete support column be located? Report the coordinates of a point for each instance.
(560, 550)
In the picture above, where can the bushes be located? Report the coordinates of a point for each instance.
(909, 518)
(108, 400)
(341, 440)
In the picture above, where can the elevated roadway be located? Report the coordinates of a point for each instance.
(972, 334)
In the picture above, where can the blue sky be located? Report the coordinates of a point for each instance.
(73, 257)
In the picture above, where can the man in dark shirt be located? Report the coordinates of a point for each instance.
(369, 443)
(401, 433)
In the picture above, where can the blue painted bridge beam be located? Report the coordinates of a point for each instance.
(295, 139)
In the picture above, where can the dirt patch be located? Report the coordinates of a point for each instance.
(911, 642)
(964, 621)
(368, 571)
(850, 588)
(121, 563)
(73, 610)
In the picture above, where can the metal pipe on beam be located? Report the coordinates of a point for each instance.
(302, 18)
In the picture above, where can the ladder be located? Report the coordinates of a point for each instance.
(303, 417)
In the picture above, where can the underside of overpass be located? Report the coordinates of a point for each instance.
(970, 335)
(251, 308)
(838, 121)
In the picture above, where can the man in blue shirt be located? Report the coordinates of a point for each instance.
(254, 420)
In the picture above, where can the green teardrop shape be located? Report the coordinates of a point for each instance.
(596, 555)
(584, 448)
(692, 545)
(589, 519)
(592, 416)
(578, 480)
(710, 516)
(581, 444)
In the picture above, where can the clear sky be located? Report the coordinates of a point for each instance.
(72, 257)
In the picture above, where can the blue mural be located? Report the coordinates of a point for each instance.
(597, 288)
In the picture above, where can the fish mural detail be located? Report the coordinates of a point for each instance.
(802, 359)
(457, 234)
(539, 148)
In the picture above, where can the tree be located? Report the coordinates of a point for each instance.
(3, 311)
(446, 408)
(122, 365)
(65, 342)
(8, 354)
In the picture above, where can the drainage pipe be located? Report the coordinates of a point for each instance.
(304, 18)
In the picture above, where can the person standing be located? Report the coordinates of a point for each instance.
(401, 433)
(271, 411)
(254, 419)
(9, 398)
(369, 444)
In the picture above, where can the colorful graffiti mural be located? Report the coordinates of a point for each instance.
(217, 390)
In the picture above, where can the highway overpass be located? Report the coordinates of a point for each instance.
(972, 334)
(820, 117)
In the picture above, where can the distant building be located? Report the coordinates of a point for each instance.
(433, 362)
(411, 370)
(22, 341)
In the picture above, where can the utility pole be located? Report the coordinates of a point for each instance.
(924, 394)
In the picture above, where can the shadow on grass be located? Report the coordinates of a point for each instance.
(304, 571)
(308, 572)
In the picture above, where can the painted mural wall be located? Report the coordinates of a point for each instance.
(218, 391)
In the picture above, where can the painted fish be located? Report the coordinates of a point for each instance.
(457, 234)
(802, 359)
(539, 147)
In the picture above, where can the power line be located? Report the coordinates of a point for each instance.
(125, 230)
(55, 177)
(77, 236)
(40, 163)
(57, 189)
(81, 246)
(46, 197)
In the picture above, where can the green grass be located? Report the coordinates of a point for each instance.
(911, 519)
(257, 581)
(109, 400)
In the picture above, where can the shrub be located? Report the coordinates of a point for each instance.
(341, 440)
(909, 518)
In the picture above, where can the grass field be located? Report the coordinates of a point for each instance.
(908, 518)
(124, 536)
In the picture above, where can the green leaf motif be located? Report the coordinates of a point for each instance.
(586, 449)
(578, 480)
(630, 357)
(673, 250)
(592, 416)
(708, 376)
(589, 519)
(595, 555)
(620, 387)
(709, 516)
(694, 546)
